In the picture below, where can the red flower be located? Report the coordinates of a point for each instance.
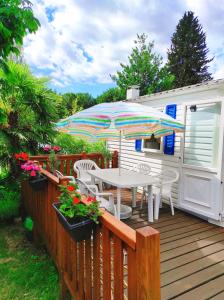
(56, 148)
(70, 188)
(76, 200)
(33, 173)
(91, 199)
(21, 156)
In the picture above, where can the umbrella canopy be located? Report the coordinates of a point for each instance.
(116, 119)
(134, 120)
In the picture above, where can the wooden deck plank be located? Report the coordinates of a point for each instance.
(190, 239)
(191, 256)
(177, 234)
(192, 281)
(191, 267)
(219, 296)
(206, 291)
(174, 252)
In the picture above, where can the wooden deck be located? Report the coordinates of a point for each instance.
(192, 254)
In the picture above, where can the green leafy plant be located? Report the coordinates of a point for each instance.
(73, 145)
(9, 202)
(28, 224)
(53, 161)
(72, 207)
(17, 20)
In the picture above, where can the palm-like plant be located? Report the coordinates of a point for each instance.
(27, 110)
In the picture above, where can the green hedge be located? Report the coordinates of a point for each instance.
(9, 201)
(73, 145)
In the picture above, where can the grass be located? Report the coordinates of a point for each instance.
(25, 272)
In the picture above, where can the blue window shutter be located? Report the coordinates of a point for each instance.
(138, 145)
(169, 141)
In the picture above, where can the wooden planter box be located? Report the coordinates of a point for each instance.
(79, 228)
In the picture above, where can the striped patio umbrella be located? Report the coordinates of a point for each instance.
(119, 119)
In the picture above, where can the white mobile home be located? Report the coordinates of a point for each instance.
(198, 152)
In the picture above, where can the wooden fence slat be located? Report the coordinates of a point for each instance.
(74, 264)
(96, 264)
(81, 269)
(106, 263)
(118, 269)
(88, 270)
(132, 271)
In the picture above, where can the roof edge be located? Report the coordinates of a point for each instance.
(211, 84)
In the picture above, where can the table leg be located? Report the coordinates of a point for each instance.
(150, 204)
(134, 192)
(118, 203)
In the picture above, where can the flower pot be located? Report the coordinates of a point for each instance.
(38, 183)
(80, 228)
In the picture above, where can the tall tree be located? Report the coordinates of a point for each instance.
(145, 69)
(16, 20)
(111, 95)
(187, 57)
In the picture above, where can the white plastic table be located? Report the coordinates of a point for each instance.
(127, 179)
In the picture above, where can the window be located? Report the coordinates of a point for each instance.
(152, 145)
(202, 134)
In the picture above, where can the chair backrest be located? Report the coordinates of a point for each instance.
(82, 166)
(167, 178)
(143, 168)
(87, 189)
(58, 174)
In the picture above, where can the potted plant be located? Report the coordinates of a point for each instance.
(78, 218)
(36, 179)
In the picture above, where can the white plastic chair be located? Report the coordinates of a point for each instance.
(145, 169)
(93, 191)
(81, 167)
(60, 175)
(164, 189)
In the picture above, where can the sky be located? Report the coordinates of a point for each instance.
(81, 42)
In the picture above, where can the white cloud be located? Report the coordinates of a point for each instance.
(84, 41)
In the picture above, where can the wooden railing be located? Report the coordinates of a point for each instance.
(117, 263)
(66, 162)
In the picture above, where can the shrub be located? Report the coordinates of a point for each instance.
(73, 145)
(9, 201)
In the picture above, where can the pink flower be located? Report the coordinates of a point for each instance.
(56, 148)
(33, 173)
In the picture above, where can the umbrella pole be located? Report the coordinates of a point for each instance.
(120, 154)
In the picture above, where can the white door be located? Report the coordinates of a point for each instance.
(201, 183)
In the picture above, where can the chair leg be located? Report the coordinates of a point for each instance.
(157, 205)
(101, 186)
(171, 205)
(142, 198)
(134, 193)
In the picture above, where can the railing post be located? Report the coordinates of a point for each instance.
(115, 159)
(84, 155)
(102, 161)
(148, 263)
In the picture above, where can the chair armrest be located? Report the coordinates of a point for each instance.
(70, 177)
(105, 194)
